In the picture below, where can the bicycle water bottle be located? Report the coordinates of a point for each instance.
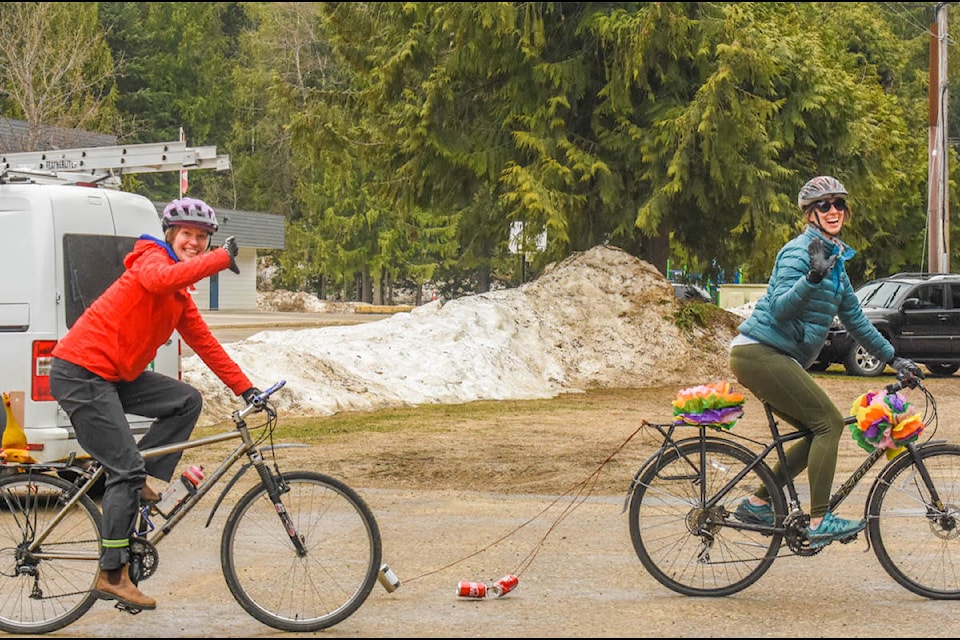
(179, 489)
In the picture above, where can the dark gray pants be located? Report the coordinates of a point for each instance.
(97, 409)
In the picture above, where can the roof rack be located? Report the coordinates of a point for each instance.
(103, 166)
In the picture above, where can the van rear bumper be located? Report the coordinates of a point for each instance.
(60, 442)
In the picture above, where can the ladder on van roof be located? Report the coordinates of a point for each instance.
(104, 166)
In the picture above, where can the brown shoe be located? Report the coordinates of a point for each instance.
(148, 495)
(115, 584)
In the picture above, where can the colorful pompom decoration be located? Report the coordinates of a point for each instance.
(714, 405)
(884, 421)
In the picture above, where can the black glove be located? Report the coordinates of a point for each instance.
(905, 365)
(230, 244)
(250, 394)
(819, 265)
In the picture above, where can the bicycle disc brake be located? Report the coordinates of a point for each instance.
(796, 535)
(945, 525)
(143, 559)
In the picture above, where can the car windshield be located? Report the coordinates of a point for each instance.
(880, 294)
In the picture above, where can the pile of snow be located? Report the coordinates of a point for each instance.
(601, 318)
(300, 301)
(743, 310)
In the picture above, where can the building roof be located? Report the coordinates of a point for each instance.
(251, 228)
(14, 135)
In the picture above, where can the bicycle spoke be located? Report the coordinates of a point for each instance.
(51, 589)
(295, 592)
(917, 543)
(687, 546)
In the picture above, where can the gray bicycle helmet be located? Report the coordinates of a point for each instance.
(819, 188)
(192, 212)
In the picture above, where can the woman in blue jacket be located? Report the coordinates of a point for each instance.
(782, 337)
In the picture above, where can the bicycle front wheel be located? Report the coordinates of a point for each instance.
(49, 588)
(916, 541)
(314, 590)
(686, 545)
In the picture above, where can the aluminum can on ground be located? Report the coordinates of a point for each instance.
(504, 585)
(388, 579)
(467, 589)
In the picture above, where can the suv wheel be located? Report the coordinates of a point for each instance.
(942, 368)
(859, 362)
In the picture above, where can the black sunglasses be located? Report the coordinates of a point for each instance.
(824, 205)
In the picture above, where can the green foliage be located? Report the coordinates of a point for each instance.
(402, 140)
(694, 314)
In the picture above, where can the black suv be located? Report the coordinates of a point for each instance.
(919, 313)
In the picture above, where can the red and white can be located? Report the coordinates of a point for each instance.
(504, 585)
(467, 589)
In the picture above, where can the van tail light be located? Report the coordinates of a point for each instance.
(40, 378)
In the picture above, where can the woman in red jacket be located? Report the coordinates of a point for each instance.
(99, 374)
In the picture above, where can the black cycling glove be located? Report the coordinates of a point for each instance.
(230, 244)
(250, 394)
(819, 265)
(905, 364)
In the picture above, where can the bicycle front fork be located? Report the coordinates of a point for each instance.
(276, 485)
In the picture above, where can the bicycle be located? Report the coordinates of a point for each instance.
(682, 500)
(300, 550)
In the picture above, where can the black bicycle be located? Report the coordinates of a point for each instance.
(300, 551)
(682, 500)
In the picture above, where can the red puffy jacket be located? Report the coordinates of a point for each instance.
(119, 334)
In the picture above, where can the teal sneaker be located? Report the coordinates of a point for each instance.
(754, 514)
(833, 528)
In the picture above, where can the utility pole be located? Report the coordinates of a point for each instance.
(938, 205)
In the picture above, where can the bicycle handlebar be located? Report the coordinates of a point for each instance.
(265, 395)
(906, 379)
(260, 401)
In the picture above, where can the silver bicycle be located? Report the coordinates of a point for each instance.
(300, 551)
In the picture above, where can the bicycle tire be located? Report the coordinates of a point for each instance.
(324, 587)
(40, 595)
(669, 527)
(916, 546)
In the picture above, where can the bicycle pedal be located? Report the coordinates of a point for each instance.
(131, 610)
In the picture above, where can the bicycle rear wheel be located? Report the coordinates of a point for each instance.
(915, 542)
(283, 589)
(46, 590)
(689, 547)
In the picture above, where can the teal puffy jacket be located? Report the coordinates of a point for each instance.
(793, 316)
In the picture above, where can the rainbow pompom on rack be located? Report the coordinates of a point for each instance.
(884, 421)
(712, 405)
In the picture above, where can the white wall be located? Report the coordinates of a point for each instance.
(737, 295)
(236, 292)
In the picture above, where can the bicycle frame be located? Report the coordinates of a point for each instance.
(779, 440)
(246, 447)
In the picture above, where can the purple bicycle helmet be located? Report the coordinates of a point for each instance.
(191, 212)
(819, 188)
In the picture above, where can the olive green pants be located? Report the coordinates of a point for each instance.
(795, 397)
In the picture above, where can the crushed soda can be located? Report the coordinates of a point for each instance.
(388, 579)
(504, 585)
(467, 589)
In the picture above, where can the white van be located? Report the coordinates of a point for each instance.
(61, 246)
